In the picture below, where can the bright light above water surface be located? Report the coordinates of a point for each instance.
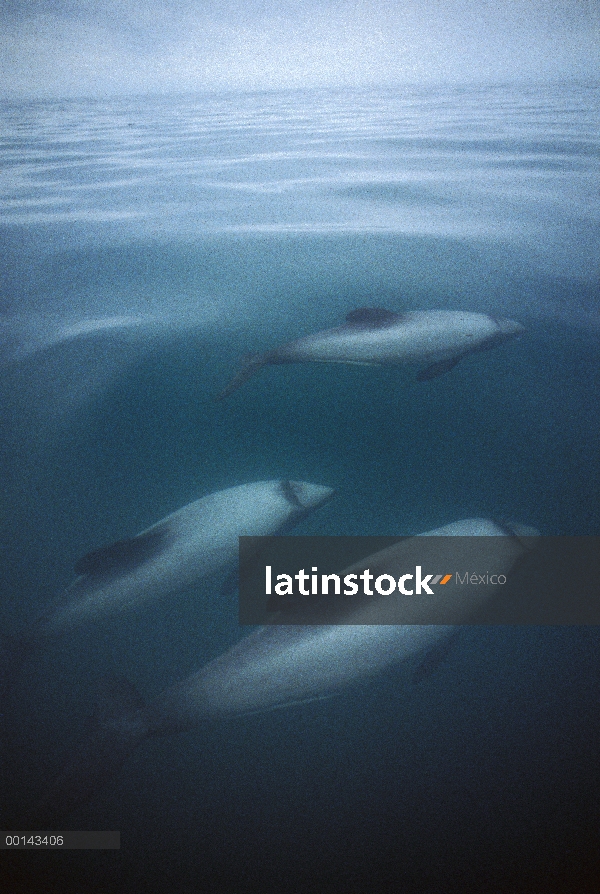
(119, 47)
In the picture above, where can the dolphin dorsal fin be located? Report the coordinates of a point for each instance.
(123, 555)
(372, 317)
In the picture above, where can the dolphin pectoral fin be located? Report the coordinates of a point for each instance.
(433, 658)
(331, 361)
(250, 366)
(359, 363)
(294, 703)
(113, 733)
(437, 369)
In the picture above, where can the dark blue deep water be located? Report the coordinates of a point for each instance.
(147, 245)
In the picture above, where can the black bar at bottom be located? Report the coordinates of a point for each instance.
(57, 841)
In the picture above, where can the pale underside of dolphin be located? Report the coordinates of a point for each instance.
(437, 340)
(274, 667)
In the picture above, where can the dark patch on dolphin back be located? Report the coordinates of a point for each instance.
(287, 489)
(123, 555)
(372, 318)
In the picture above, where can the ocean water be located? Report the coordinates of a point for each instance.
(148, 244)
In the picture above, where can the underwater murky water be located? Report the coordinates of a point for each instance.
(148, 244)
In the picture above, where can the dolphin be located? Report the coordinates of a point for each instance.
(274, 667)
(192, 543)
(372, 336)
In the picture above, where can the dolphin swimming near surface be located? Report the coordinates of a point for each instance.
(437, 339)
(276, 666)
(190, 544)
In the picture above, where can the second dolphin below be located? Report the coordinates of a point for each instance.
(273, 667)
(372, 336)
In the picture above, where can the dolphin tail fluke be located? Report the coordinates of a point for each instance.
(113, 733)
(250, 366)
